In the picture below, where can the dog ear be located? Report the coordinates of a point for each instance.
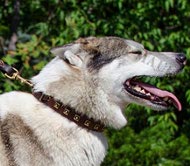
(72, 59)
(66, 53)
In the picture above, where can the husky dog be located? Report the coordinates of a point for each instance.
(96, 77)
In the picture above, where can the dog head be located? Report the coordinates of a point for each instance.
(97, 76)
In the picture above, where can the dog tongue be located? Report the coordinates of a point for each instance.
(161, 93)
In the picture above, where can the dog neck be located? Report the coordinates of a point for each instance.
(79, 92)
(69, 113)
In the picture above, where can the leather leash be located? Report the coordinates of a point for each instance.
(69, 113)
(6, 69)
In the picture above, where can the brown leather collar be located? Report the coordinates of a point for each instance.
(69, 113)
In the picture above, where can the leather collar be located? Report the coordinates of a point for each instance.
(69, 113)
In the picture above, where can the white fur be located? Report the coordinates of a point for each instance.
(99, 94)
(64, 141)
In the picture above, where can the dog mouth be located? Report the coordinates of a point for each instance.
(151, 93)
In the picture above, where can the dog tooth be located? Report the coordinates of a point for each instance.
(137, 88)
(143, 91)
(165, 98)
(170, 101)
(148, 94)
(152, 97)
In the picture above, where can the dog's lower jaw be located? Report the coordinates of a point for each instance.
(117, 119)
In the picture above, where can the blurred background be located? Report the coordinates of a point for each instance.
(28, 29)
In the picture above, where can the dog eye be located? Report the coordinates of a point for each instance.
(136, 52)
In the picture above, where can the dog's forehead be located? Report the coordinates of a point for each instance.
(103, 44)
(109, 43)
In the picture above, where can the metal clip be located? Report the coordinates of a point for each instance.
(16, 76)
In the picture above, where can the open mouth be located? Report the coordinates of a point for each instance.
(151, 93)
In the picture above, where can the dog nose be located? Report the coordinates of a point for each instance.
(181, 58)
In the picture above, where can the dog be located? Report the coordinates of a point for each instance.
(94, 77)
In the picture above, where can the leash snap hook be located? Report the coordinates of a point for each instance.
(14, 75)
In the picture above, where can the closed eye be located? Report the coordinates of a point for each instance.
(136, 52)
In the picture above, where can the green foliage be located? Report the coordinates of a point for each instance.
(151, 138)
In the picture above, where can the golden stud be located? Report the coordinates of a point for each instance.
(57, 105)
(87, 123)
(76, 117)
(96, 127)
(66, 111)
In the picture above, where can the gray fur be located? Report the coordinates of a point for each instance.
(87, 75)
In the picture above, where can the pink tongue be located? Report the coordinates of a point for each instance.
(161, 93)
